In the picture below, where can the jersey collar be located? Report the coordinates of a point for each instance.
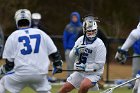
(90, 41)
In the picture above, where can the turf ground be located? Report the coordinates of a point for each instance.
(56, 88)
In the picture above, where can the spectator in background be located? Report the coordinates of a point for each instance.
(1, 41)
(70, 35)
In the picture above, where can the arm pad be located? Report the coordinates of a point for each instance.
(56, 58)
(9, 65)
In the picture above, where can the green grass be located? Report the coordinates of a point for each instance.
(56, 88)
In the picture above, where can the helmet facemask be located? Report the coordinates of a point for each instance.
(90, 28)
(91, 34)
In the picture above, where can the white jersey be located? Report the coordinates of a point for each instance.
(133, 36)
(29, 49)
(95, 53)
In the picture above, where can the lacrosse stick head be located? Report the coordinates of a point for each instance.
(110, 90)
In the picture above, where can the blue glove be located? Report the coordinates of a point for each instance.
(121, 56)
(80, 49)
(57, 67)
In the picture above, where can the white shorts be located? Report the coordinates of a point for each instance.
(76, 78)
(15, 83)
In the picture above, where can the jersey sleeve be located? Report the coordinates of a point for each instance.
(133, 36)
(72, 55)
(79, 41)
(50, 45)
(9, 49)
(100, 56)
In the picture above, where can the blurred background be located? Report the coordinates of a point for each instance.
(117, 19)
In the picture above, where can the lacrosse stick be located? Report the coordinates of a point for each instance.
(133, 56)
(110, 90)
(71, 70)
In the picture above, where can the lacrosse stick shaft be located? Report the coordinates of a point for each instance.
(126, 82)
(110, 90)
(72, 70)
(133, 56)
(69, 70)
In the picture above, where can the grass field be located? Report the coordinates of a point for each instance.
(56, 88)
(124, 72)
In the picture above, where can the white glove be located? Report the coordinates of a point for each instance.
(80, 66)
(80, 49)
(2, 70)
(93, 67)
(121, 56)
(89, 67)
(138, 74)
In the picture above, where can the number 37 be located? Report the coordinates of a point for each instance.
(26, 43)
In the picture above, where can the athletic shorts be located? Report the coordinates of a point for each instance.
(76, 78)
(15, 83)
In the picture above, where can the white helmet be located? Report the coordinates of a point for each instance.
(89, 25)
(36, 16)
(23, 14)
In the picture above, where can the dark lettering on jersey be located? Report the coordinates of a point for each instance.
(83, 58)
(88, 50)
(85, 54)
(26, 31)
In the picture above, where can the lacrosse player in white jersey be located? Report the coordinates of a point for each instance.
(26, 52)
(121, 54)
(89, 54)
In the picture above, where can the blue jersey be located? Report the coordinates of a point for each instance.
(136, 47)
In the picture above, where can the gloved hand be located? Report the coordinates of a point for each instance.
(80, 49)
(91, 67)
(57, 67)
(2, 70)
(121, 56)
(138, 74)
(79, 66)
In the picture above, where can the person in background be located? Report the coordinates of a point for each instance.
(135, 61)
(70, 35)
(36, 17)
